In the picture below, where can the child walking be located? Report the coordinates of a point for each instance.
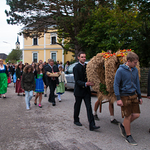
(40, 83)
(61, 87)
(28, 84)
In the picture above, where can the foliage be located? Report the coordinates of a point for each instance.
(14, 56)
(102, 89)
(140, 40)
(108, 29)
(68, 17)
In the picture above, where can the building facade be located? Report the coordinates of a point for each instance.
(35, 49)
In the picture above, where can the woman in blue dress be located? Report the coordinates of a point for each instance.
(40, 81)
(14, 75)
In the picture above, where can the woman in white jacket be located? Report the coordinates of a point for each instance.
(62, 81)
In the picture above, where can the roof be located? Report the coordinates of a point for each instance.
(3, 56)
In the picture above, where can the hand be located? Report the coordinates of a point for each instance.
(45, 86)
(120, 103)
(89, 84)
(140, 101)
(148, 97)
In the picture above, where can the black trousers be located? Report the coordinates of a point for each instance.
(52, 87)
(77, 105)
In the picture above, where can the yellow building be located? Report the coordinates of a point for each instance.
(35, 49)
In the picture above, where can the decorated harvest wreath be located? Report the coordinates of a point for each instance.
(101, 70)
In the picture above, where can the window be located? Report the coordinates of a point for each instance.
(35, 57)
(35, 41)
(53, 56)
(53, 40)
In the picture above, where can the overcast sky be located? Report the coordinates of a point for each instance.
(8, 33)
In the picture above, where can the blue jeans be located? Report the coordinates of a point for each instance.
(28, 97)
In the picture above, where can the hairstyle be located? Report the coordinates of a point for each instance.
(38, 69)
(68, 62)
(34, 67)
(60, 66)
(19, 65)
(26, 68)
(50, 60)
(81, 52)
(132, 56)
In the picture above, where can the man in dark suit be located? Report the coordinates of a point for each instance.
(82, 91)
(51, 81)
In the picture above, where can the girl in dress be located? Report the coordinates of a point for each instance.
(9, 78)
(3, 79)
(40, 81)
(28, 84)
(61, 87)
(19, 72)
(14, 75)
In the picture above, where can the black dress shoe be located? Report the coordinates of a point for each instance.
(94, 128)
(78, 123)
(45, 95)
(53, 104)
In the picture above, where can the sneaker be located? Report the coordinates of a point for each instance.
(122, 130)
(130, 140)
(96, 117)
(115, 122)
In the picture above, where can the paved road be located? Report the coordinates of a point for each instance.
(52, 128)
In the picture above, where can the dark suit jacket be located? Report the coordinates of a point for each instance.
(80, 78)
(148, 85)
(49, 69)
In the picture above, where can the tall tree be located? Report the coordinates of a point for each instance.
(140, 40)
(108, 29)
(14, 55)
(68, 16)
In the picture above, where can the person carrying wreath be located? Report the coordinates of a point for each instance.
(127, 88)
(82, 91)
(52, 82)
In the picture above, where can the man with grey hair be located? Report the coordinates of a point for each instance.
(52, 82)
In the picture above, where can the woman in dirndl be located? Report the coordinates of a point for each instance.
(62, 81)
(3, 79)
(40, 81)
(19, 72)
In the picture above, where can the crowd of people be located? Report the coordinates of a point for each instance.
(31, 80)
(34, 79)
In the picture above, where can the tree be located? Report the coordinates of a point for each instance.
(68, 16)
(14, 55)
(108, 29)
(140, 40)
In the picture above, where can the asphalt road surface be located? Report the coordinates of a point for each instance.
(52, 128)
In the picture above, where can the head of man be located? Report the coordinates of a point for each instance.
(82, 57)
(51, 62)
(132, 59)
